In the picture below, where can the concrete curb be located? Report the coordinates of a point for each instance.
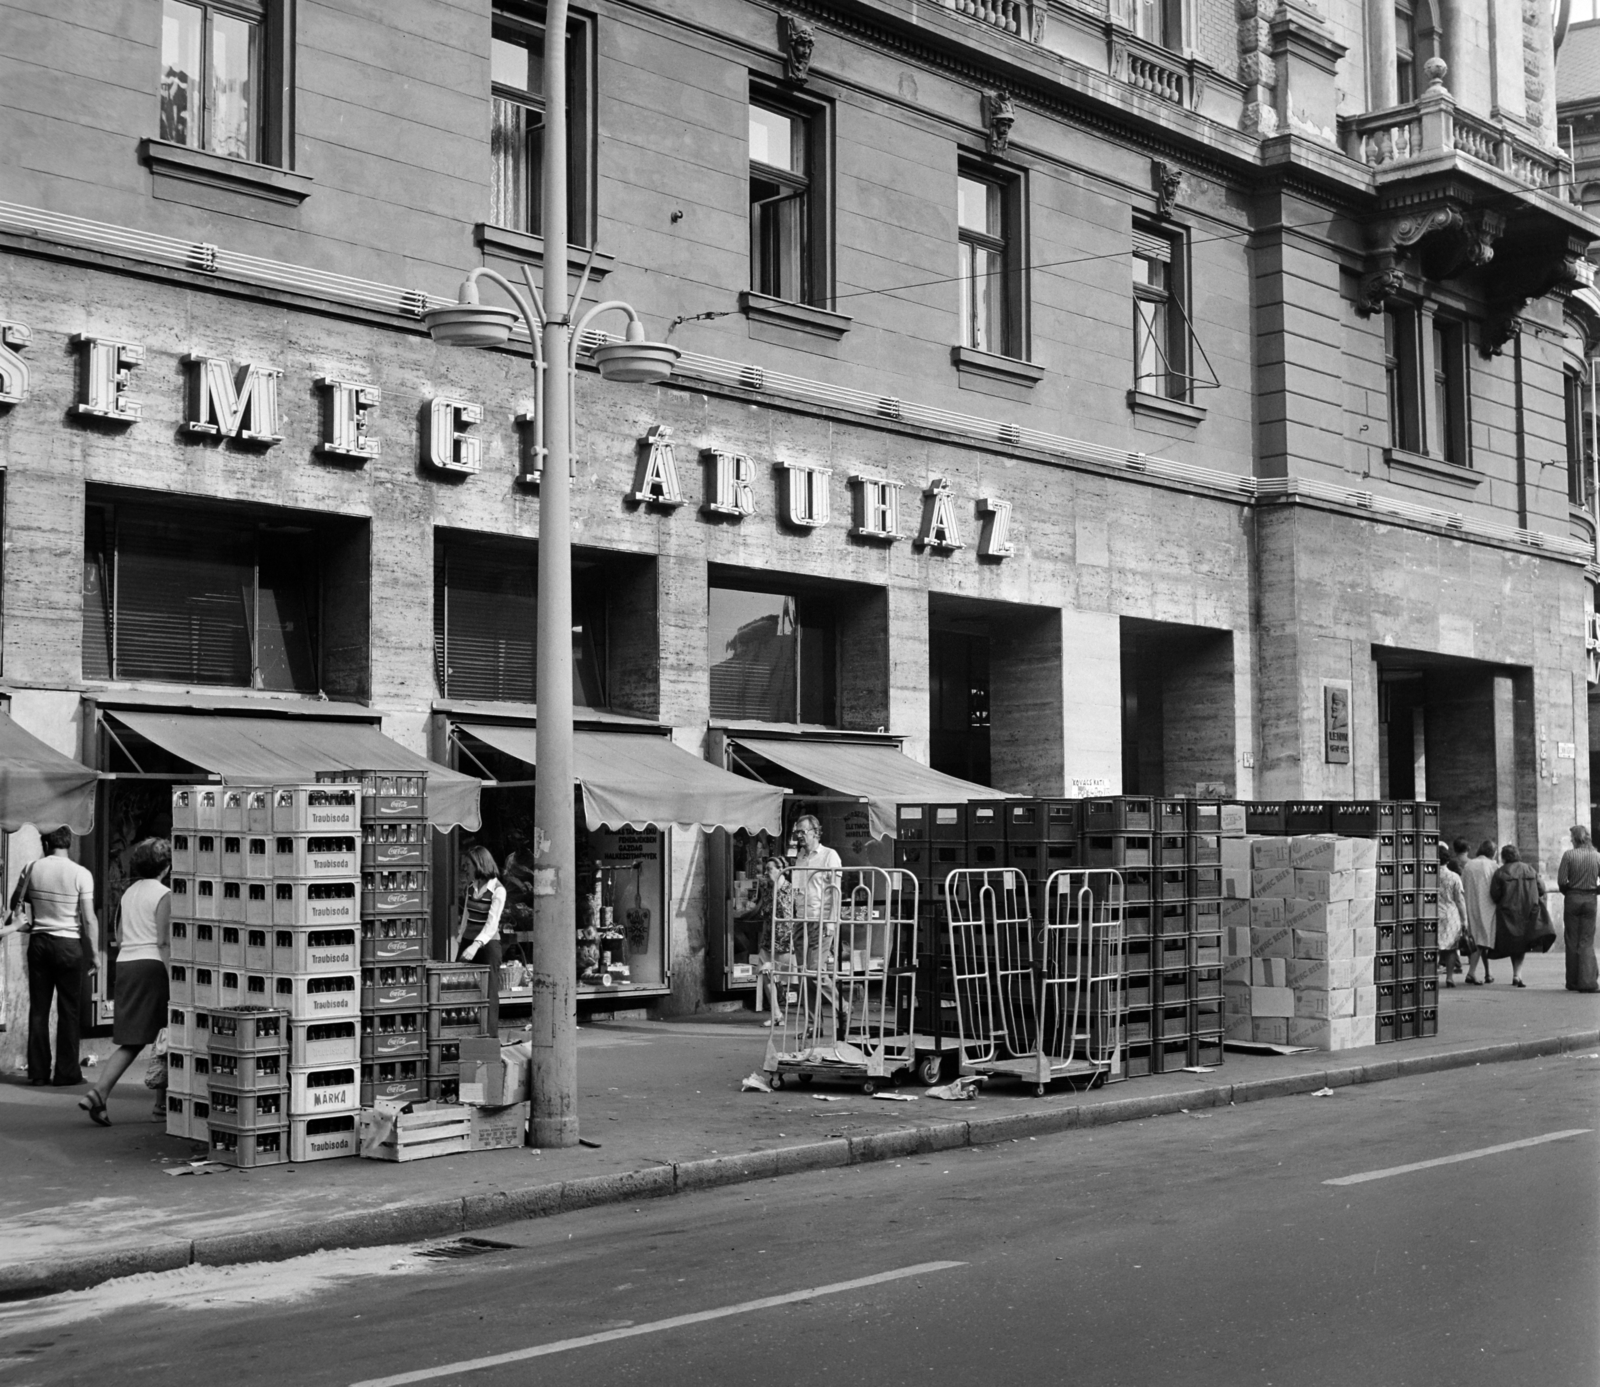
(450, 1217)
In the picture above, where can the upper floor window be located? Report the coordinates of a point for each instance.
(1427, 375)
(516, 130)
(789, 214)
(1405, 51)
(989, 267)
(1450, 418)
(1580, 420)
(1402, 353)
(1160, 315)
(1159, 21)
(213, 79)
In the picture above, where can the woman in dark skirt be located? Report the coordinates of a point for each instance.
(145, 930)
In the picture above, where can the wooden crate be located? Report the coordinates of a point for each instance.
(416, 1132)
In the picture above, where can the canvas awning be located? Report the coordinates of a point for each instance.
(884, 776)
(284, 750)
(40, 786)
(631, 780)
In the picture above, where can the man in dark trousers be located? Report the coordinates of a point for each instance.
(1577, 879)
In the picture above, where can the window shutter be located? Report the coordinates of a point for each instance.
(1151, 246)
(183, 599)
(489, 631)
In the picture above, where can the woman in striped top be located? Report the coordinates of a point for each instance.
(479, 939)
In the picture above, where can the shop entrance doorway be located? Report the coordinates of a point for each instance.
(1178, 718)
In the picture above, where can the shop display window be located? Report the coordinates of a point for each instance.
(773, 656)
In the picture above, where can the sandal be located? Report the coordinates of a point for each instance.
(93, 1104)
(1471, 981)
(1518, 982)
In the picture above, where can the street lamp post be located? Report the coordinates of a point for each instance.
(548, 318)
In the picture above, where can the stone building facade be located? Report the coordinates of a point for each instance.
(1116, 390)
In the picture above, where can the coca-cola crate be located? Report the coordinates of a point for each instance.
(326, 903)
(249, 1150)
(457, 984)
(394, 808)
(400, 939)
(321, 1043)
(248, 1073)
(244, 1030)
(394, 1081)
(196, 807)
(316, 950)
(394, 1034)
(444, 1056)
(1117, 814)
(324, 1138)
(316, 808)
(407, 844)
(318, 996)
(394, 891)
(247, 1110)
(455, 1022)
(393, 986)
(324, 1088)
(315, 856)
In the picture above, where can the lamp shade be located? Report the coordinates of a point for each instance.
(636, 362)
(470, 325)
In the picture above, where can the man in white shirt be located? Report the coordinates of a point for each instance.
(61, 895)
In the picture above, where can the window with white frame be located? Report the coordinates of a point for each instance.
(223, 67)
(1161, 338)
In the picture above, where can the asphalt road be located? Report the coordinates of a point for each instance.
(1197, 1249)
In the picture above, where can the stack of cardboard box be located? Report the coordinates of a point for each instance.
(1299, 935)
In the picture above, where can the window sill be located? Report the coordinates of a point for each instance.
(819, 322)
(970, 361)
(1463, 479)
(1161, 407)
(519, 245)
(169, 160)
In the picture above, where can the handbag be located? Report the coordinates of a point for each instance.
(155, 1069)
(1544, 932)
(20, 916)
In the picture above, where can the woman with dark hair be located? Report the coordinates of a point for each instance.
(1452, 915)
(479, 939)
(144, 930)
(1518, 893)
(1476, 874)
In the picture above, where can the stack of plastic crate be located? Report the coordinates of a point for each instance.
(396, 901)
(247, 1087)
(458, 1009)
(195, 960)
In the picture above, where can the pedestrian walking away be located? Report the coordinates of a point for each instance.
(144, 939)
(1452, 915)
(1476, 874)
(1578, 878)
(60, 895)
(1521, 921)
(479, 939)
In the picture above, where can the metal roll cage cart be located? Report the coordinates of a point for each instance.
(841, 977)
(1036, 1003)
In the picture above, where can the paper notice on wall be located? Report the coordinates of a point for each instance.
(1087, 787)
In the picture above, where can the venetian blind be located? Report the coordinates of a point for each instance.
(184, 599)
(488, 626)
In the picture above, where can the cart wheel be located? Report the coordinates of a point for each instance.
(776, 1081)
(870, 1087)
(1039, 1090)
(804, 1080)
(929, 1069)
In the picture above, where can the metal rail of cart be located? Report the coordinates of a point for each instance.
(1037, 1003)
(841, 976)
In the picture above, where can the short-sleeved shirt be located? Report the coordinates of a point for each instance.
(56, 887)
(816, 877)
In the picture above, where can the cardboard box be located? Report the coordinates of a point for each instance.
(1269, 1030)
(1267, 853)
(1236, 969)
(1235, 882)
(1238, 1027)
(1325, 1001)
(1316, 915)
(1321, 852)
(482, 1077)
(1363, 853)
(1236, 941)
(1332, 1033)
(1235, 852)
(1272, 941)
(1365, 942)
(1330, 972)
(1230, 821)
(1269, 972)
(1274, 881)
(1363, 912)
(1366, 887)
(1324, 886)
(1366, 999)
(1266, 910)
(1271, 1001)
(1234, 911)
(495, 1128)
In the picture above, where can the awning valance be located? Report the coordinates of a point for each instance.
(630, 780)
(40, 786)
(246, 749)
(884, 776)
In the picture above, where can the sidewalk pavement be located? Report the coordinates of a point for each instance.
(82, 1204)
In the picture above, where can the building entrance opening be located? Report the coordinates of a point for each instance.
(1178, 714)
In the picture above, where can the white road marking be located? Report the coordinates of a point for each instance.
(1451, 1160)
(654, 1327)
